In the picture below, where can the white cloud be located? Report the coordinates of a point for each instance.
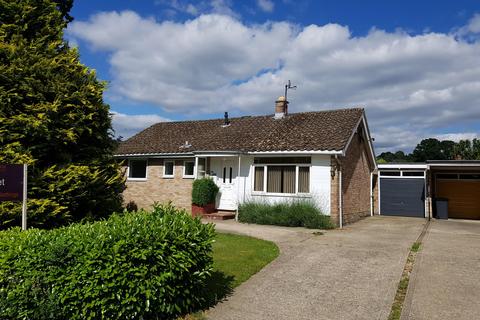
(266, 5)
(126, 125)
(457, 136)
(411, 85)
(474, 24)
(200, 7)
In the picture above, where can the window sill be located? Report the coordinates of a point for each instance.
(136, 179)
(168, 177)
(189, 177)
(289, 195)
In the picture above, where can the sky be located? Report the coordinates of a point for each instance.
(413, 65)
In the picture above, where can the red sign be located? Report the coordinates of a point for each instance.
(11, 182)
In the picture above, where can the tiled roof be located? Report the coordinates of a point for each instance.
(306, 131)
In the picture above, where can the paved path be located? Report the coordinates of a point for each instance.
(351, 273)
(445, 283)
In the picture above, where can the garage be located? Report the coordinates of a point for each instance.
(460, 187)
(402, 190)
(435, 189)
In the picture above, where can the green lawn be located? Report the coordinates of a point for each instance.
(235, 259)
(241, 256)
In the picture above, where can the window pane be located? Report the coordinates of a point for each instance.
(274, 179)
(258, 183)
(169, 168)
(189, 166)
(470, 176)
(413, 173)
(201, 167)
(280, 160)
(390, 173)
(447, 176)
(281, 179)
(138, 168)
(288, 179)
(304, 179)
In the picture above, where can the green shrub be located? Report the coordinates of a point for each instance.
(144, 265)
(299, 213)
(40, 213)
(204, 191)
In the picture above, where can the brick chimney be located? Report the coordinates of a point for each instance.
(281, 107)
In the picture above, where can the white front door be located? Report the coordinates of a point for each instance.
(226, 181)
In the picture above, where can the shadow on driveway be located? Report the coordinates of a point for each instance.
(350, 273)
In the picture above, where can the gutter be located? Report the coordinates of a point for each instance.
(371, 194)
(340, 194)
(238, 184)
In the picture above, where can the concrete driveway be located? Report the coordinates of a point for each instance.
(351, 273)
(445, 283)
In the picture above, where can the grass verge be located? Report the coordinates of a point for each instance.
(398, 302)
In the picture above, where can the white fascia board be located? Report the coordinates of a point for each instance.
(225, 154)
(344, 151)
(154, 155)
(217, 153)
(400, 166)
(301, 152)
(459, 165)
(369, 138)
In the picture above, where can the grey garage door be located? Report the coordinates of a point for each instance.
(402, 197)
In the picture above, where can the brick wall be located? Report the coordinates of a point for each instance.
(159, 189)
(355, 183)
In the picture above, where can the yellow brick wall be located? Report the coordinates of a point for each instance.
(159, 189)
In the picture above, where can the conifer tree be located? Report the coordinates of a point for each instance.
(53, 117)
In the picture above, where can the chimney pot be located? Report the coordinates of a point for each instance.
(281, 107)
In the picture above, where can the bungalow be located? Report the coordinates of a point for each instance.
(325, 156)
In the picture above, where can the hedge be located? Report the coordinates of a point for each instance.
(139, 265)
(298, 213)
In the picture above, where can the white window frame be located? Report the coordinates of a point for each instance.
(137, 179)
(168, 176)
(265, 175)
(188, 176)
(401, 174)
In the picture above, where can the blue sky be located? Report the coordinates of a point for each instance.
(412, 64)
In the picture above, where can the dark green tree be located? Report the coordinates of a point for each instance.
(433, 149)
(467, 150)
(398, 156)
(52, 116)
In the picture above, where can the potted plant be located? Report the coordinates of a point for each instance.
(204, 192)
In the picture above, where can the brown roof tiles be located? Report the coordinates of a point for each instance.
(306, 131)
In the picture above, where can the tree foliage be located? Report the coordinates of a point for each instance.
(52, 116)
(398, 156)
(434, 149)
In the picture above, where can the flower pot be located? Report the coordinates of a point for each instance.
(201, 210)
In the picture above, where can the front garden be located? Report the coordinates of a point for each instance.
(152, 265)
